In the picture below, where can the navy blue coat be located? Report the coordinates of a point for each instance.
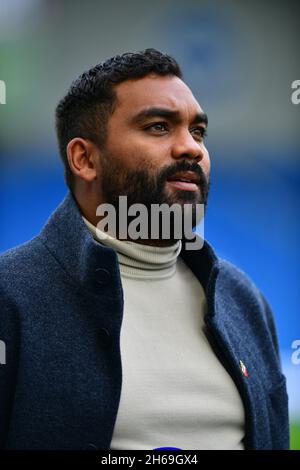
(61, 307)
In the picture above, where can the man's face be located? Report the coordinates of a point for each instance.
(146, 151)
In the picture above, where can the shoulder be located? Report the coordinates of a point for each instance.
(236, 280)
(239, 289)
(233, 272)
(20, 257)
(23, 266)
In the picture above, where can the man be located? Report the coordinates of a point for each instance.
(134, 343)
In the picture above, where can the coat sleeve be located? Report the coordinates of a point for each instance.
(9, 337)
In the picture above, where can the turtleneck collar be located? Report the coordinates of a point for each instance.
(140, 261)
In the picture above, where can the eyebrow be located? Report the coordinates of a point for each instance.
(156, 111)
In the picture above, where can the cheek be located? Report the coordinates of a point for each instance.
(205, 162)
(146, 155)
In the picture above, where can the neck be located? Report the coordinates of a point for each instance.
(154, 242)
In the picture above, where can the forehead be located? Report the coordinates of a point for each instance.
(155, 90)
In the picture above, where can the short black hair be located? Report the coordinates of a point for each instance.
(84, 110)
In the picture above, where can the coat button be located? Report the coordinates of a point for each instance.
(105, 337)
(102, 276)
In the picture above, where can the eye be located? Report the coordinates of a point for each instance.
(200, 131)
(157, 126)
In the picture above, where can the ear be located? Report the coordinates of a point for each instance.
(81, 157)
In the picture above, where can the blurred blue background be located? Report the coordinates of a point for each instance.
(240, 60)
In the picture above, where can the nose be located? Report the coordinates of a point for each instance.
(185, 146)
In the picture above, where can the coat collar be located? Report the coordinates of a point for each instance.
(89, 263)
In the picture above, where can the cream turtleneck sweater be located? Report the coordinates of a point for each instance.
(175, 392)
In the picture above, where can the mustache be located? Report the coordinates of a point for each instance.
(185, 166)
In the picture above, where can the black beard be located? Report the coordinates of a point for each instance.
(140, 186)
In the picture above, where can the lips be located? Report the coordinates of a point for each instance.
(186, 177)
(185, 180)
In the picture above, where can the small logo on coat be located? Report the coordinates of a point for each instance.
(243, 369)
